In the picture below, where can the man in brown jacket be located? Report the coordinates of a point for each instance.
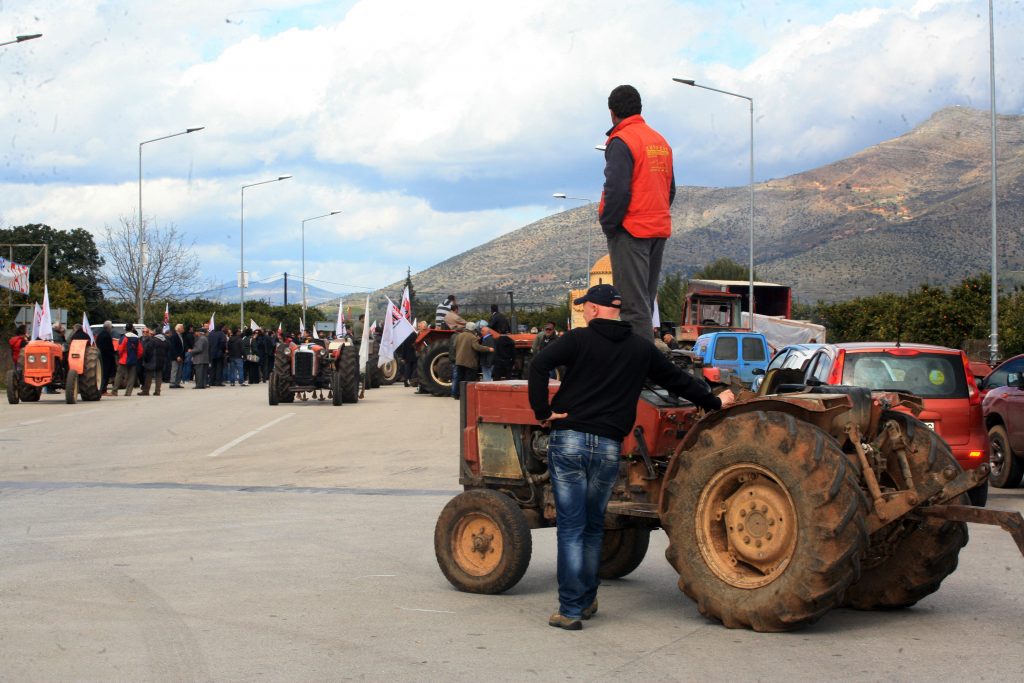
(467, 362)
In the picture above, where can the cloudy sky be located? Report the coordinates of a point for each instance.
(436, 126)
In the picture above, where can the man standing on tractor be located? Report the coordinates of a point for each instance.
(639, 188)
(592, 412)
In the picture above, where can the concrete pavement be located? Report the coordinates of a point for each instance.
(204, 535)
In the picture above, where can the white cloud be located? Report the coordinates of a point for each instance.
(376, 108)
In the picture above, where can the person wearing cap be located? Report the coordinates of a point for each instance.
(606, 365)
(467, 360)
(639, 188)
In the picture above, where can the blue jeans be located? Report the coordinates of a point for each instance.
(186, 372)
(583, 469)
(235, 369)
(455, 380)
(488, 373)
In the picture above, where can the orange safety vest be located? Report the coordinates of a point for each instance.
(648, 213)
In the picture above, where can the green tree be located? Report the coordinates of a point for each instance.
(412, 290)
(722, 269)
(72, 253)
(671, 296)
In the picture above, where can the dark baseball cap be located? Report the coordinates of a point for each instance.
(602, 295)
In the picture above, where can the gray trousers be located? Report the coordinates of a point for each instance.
(175, 373)
(636, 270)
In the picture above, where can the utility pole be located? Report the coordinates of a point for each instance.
(286, 289)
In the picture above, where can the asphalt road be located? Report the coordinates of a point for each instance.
(206, 536)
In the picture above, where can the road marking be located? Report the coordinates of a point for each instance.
(79, 413)
(223, 488)
(375, 576)
(434, 611)
(231, 444)
(26, 423)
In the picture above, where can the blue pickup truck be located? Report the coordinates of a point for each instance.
(738, 352)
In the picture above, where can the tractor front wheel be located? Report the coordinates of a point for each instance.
(482, 542)
(71, 387)
(272, 388)
(909, 558)
(348, 366)
(766, 521)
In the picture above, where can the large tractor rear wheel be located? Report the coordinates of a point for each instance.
(13, 387)
(348, 366)
(90, 382)
(623, 550)
(482, 542)
(765, 520)
(435, 370)
(272, 388)
(71, 387)
(281, 386)
(336, 381)
(909, 559)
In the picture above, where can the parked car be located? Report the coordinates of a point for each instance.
(792, 357)
(740, 353)
(1003, 407)
(940, 376)
(998, 376)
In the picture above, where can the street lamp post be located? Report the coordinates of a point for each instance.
(241, 247)
(22, 39)
(590, 237)
(142, 229)
(993, 349)
(691, 82)
(304, 260)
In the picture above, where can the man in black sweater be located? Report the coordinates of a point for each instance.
(592, 412)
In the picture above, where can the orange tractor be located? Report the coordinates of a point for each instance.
(43, 364)
(777, 508)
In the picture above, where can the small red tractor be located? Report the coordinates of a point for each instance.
(777, 508)
(42, 364)
(313, 368)
(434, 366)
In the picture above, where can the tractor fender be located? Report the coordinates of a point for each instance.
(76, 355)
(829, 412)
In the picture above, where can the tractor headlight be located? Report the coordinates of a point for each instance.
(43, 359)
(31, 359)
(287, 352)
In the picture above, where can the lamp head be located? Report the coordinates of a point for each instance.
(685, 81)
(283, 177)
(193, 130)
(559, 195)
(23, 38)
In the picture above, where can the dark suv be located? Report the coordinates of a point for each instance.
(1003, 407)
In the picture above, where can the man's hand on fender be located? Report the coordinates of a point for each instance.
(727, 397)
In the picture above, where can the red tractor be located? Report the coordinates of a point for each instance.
(42, 364)
(434, 365)
(312, 368)
(777, 508)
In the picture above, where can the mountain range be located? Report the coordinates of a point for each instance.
(904, 212)
(271, 291)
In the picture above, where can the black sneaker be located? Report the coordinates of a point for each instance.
(558, 620)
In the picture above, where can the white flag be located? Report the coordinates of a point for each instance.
(339, 326)
(315, 335)
(45, 324)
(406, 305)
(167, 318)
(88, 328)
(211, 322)
(656, 317)
(252, 325)
(386, 352)
(396, 329)
(36, 313)
(364, 346)
(302, 328)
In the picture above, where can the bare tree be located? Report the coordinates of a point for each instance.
(147, 264)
